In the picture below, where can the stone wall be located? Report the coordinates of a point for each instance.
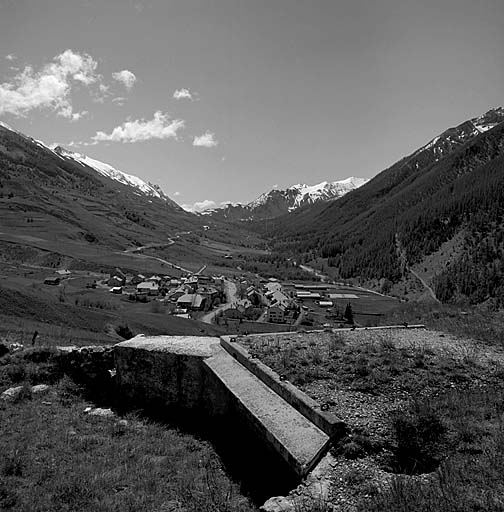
(168, 372)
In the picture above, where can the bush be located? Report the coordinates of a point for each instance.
(421, 436)
(124, 331)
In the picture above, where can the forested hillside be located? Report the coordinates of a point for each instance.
(408, 211)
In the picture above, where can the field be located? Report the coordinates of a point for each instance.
(424, 411)
(368, 307)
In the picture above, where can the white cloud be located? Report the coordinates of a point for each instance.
(183, 94)
(120, 101)
(176, 194)
(10, 57)
(159, 127)
(207, 140)
(50, 87)
(200, 206)
(126, 77)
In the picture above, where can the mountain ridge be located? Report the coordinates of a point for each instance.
(451, 185)
(277, 202)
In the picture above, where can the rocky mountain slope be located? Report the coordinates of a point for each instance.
(278, 202)
(452, 186)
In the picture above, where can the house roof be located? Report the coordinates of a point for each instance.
(191, 298)
(148, 285)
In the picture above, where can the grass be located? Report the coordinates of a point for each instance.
(56, 458)
(448, 420)
(462, 483)
(372, 367)
(475, 322)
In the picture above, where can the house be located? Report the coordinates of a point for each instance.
(192, 301)
(63, 273)
(116, 289)
(175, 282)
(148, 287)
(326, 303)
(115, 281)
(208, 291)
(119, 274)
(254, 297)
(192, 281)
(278, 297)
(176, 294)
(154, 279)
(276, 314)
(139, 278)
(273, 287)
(53, 281)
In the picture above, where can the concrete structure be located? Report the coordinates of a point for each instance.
(195, 374)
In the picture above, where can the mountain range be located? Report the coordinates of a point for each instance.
(437, 212)
(279, 202)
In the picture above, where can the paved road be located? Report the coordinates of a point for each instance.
(231, 298)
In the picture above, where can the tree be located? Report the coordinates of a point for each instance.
(349, 314)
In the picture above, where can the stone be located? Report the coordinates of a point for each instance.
(40, 389)
(278, 504)
(11, 394)
(102, 413)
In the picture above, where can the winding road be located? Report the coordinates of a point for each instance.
(231, 298)
(425, 285)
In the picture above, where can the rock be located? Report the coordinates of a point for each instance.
(15, 347)
(278, 504)
(40, 388)
(102, 413)
(11, 394)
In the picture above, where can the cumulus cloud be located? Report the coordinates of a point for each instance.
(50, 87)
(138, 130)
(126, 77)
(207, 140)
(200, 206)
(183, 94)
(10, 57)
(176, 194)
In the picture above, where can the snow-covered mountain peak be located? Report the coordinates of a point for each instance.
(112, 173)
(488, 120)
(281, 201)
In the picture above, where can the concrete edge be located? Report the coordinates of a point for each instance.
(300, 470)
(309, 408)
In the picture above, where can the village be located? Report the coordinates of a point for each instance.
(240, 303)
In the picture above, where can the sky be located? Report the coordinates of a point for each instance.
(222, 100)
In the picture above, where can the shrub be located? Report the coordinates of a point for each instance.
(421, 436)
